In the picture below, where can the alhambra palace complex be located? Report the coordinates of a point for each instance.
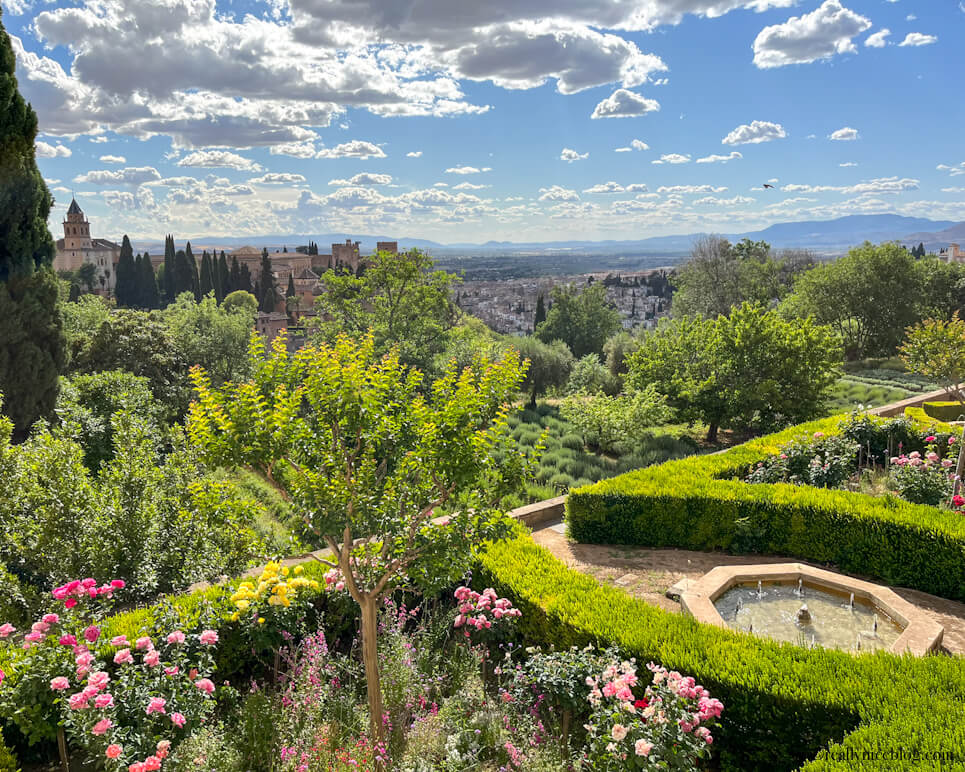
(77, 247)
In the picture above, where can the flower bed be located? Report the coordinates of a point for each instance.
(702, 503)
(787, 707)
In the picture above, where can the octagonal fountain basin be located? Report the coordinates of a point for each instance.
(811, 607)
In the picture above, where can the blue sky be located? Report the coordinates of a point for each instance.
(457, 120)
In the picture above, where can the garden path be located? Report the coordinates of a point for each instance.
(648, 573)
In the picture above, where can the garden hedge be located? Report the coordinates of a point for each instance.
(701, 503)
(786, 707)
(944, 411)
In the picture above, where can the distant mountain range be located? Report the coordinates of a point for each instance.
(820, 235)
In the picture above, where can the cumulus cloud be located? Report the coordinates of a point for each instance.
(624, 104)
(558, 193)
(877, 39)
(414, 154)
(673, 189)
(278, 178)
(354, 149)
(715, 201)
(826, 31)
(468, 186)
(672, 158)
(113, 159)
(606, 187)
(363, 179)
(847, 164)
(876, 187)
(846, 134)
(569, 155)
(954, 171)
(294, 149)
(131, 175)
(754, 133)
(219, 159)
(713, 159)
(45, 150)
(467, 170)
(918, 39)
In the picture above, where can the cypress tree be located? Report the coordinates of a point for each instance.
(206, 280)
(540, 316)
(150, 295)
(223, 283)
(195, 285)
(290, 292)
(32, 345)
(244, 281)
(266, 284)
(234, 282)
(182, 273)
(126, 277)
(170, 273)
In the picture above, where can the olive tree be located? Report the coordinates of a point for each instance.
(368, 452)
(936, 349)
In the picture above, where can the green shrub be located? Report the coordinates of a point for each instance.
(944, 411)
(8, 762)
(698, 503)
(572, 441)
(783, 704)
(561, 481)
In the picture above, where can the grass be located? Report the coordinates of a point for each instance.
(873, 383)
(565, 462)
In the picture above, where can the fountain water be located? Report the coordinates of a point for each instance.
(851, 602)
(760, 591)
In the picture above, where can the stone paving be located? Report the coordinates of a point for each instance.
(648, 574)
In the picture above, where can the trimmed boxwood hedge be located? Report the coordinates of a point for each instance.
(701, 503)
(944, 411)
(786, 707)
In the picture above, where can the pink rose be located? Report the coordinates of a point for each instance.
(117, 584)
(59, 683)
(103, 700)
(209, 637)
(176, 637)
(84, 659)
(119, 640)
(77, 701)
(144, 643)
(92, 633)
(171, 671)
(152, 763)
(34, 637)
(123, 657)
(113, 751)
(156, 705)
(642, 748)
(50, 619)
(205, 685)
(99, 680)
(102, 726)
(70, 602)
(6, 629)
(618, 732)
(67, 640)
(178, 720)
(152, 658)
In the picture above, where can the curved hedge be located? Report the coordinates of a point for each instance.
(944, 411)
(701, 503)
(786, 707)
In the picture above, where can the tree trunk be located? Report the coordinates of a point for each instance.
(370, 657)
(712, 433)
(62, 749)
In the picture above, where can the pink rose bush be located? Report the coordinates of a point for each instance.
(669, 727)
(113, 698)
(479, 611)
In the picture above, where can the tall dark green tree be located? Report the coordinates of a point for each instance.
(193, 268)
(170, 273)
(266, 285)
(222, 283)
(540, 315)
(150, 294)
(32, 347)
(234, 276)
(290, 292)
(182, 274)
(244, 279)
(206, 280)
(126, 277)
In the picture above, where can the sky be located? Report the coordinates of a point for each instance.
(468, 121)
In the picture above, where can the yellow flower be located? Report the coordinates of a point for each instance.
(274, 600)
(242, 605)
(234, 617)
(261, 620)
(298, 570)
(284, 571)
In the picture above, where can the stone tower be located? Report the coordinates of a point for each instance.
(77, 241)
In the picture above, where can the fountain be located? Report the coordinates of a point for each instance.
(840, 612)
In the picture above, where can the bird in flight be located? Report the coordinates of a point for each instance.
(768, 186)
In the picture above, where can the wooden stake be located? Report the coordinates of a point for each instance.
(62, 749)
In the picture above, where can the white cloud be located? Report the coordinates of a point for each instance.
(672, 158)
(606, 187)
(467, 170)
(45, 150)
(713, 159)
(953, 190)
(635, 144)
(954, 171)
(821, 34)
(131, 175)
(754, 133)
(673, 189)
(846, 134)
(624, 104)
(294, 149)
(876, 187)
(363, 179)
(99, 139)
(557, 193)
(715, 201)
(219, 159)
(468, 186)
(414, 154)
(877, 39)
(113, 159)
(918, 39)
(847, 164)
(354, 149)
(911, 17)
(278, 178)
(569, 155)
